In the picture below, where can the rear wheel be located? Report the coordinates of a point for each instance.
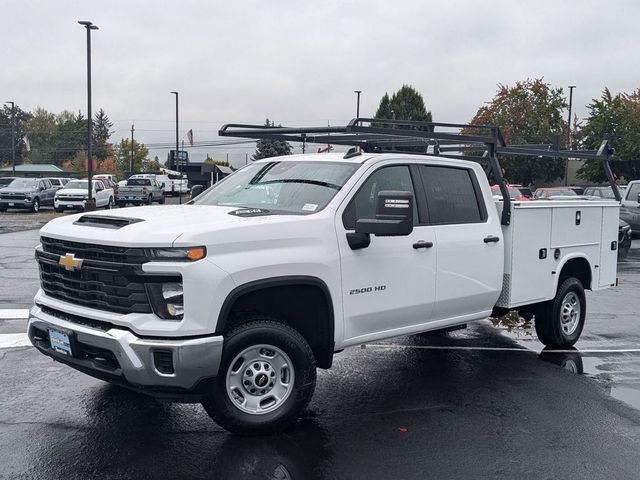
(559, 322)
(267, 376)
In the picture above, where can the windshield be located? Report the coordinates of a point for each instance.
(289, 186)
(81, 184)
(139, 181)
(24, 183)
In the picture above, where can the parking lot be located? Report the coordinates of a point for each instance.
(482, 402)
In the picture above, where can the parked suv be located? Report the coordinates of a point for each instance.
(29, 193)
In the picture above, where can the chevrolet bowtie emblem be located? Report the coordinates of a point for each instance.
(70, 262)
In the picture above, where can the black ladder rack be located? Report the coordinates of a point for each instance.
(375, 135)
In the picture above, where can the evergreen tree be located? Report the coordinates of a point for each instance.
(271, 148)
(101, 131)
(405, 104)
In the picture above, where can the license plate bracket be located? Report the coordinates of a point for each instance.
(61, 341)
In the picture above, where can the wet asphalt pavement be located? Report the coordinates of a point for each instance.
(477, 403)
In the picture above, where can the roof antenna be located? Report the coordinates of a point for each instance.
(352, 152)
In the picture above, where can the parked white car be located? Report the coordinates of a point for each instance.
(74, 195)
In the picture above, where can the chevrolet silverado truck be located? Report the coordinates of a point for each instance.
(235, 299)
(140, 190)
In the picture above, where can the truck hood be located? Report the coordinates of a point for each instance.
(152, 226)
(72, 191)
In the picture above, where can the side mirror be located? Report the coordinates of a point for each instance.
(394, 215)
(196, 190)
(638, 198)
(162, 185)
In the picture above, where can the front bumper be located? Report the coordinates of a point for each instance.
(119, 356)
(69, 204)
(16, 203)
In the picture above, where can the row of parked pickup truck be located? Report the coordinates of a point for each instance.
(72, 194)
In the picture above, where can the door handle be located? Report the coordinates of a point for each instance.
(491, 239)
(422, 244)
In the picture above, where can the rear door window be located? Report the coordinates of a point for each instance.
(453, 195)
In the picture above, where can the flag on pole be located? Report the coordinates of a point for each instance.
(190, 137)
(27, 143)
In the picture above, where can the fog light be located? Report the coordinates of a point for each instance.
(167, 299)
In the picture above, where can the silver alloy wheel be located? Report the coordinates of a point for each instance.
(570, 313)
(36, 205)
(260, 379)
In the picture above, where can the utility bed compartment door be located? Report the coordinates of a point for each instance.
(608, 257)
(531, 279)
(575, 225)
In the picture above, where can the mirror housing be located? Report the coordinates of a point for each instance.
(394, 215)
(162, 185)
(196, 190)
(638, 198)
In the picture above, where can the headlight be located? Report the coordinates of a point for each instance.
(189, 254)
(167, 300)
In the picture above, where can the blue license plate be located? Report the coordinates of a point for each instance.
(60, 342)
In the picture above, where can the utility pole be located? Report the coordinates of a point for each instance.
(89, 26)
(566, 168)
(358, 92)
(131, 159)
(13, 137)
(176, 156)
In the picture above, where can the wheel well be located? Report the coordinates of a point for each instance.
(578, 268)
(305, 307)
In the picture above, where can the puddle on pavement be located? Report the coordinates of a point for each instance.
(617, 373)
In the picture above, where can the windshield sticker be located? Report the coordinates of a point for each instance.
(310, 207)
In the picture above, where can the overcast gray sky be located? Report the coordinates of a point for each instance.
(299, 62)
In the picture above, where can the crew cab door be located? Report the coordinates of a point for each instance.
(469, 238)
(388, 287)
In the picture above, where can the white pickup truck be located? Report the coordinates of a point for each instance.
(235, 299)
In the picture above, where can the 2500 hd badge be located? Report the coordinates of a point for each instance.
(377, 288)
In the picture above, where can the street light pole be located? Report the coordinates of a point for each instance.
(89, 26)
(178, 163)
(358, 92)
(566, 168)
(13, 137)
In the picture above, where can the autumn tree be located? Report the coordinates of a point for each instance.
(530, 112)
(124, 161)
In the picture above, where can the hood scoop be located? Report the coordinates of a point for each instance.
(106, 221)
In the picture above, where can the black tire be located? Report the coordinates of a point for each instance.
(149, 199)
(109, 204)
(58, 210)
(256, 331)
(3, 209)
(122, 204)
(548, 318)
(162, 200)
(35, 206)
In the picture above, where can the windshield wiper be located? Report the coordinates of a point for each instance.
(302, 180)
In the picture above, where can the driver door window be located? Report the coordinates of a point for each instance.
(363, 204)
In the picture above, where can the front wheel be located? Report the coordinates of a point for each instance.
(162, 200)
(559, 322)
(35, 206)
(267, 376)
(109, 204)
